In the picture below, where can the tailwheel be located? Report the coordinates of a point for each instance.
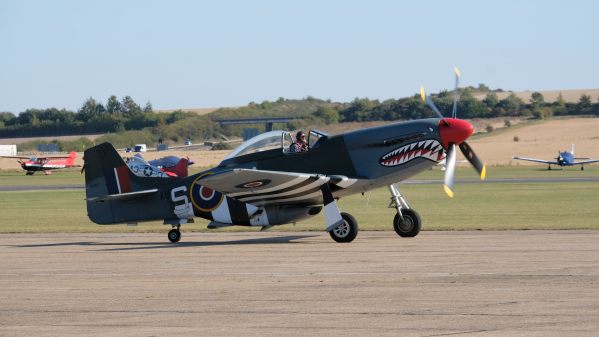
(174, 235)
(347, 230)
(409, 226)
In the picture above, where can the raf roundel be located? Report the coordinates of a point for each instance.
(254, 184)
(204, 198)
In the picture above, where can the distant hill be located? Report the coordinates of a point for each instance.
(199, 111)
(570, 96)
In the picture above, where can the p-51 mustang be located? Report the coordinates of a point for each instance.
(262, 184)
(166, 167)
(565, 158)
(32, 164)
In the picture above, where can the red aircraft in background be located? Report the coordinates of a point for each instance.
(32, 164)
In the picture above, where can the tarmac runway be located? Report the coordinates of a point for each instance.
(506, 283)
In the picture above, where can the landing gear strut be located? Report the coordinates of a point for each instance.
(406, 222)
(174, 235)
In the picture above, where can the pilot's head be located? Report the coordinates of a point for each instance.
(300, 136)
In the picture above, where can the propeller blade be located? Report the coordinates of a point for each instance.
(449, 170)
(474, 160)
(427, 99)
(454, 111)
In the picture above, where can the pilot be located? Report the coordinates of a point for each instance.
(300, 144)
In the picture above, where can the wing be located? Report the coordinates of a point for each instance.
(585, 162)
(537, 160)
(51, 158)
(260, 187)
(17, 157)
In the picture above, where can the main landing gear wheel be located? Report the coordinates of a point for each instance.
(346, 231)
(410, 225)
(174, 235)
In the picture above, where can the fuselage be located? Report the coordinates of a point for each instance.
(345, 164)
(565, 159)
(34, 166)
(375, 157)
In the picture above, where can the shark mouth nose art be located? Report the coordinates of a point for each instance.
(427, 149)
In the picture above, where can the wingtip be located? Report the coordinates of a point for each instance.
(448, 191)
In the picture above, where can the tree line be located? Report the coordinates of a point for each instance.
(364, 109)
(120, 118)
(92, 117)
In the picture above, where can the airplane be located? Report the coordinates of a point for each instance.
(166, 167)
(32, 164)
(262, 184)
(565, 158)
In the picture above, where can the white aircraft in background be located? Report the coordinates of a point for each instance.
(166, 167)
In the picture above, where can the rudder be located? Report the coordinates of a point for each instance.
(71, 159)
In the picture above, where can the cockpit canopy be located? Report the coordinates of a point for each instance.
(262, 142)
(271, 140)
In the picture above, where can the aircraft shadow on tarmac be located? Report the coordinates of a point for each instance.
(122, 246)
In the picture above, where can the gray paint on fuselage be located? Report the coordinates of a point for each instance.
(328, 157)
(354, 154)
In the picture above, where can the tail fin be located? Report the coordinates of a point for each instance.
(106, 174)
(181, 168)
(71, 159)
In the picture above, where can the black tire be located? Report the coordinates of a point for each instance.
(410, 226)
(174, 235)
(581, 168)
(347, 231)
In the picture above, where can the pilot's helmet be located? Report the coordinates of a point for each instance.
(300, 135)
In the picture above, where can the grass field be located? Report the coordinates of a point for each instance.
(476, 206)
(58, 177)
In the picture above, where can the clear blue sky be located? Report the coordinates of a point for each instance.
(183, 54)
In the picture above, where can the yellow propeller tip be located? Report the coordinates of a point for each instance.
(448, 191)
(483, 173)
(457, 72)
(422, 94)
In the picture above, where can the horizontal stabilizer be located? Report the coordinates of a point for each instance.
(123, 196)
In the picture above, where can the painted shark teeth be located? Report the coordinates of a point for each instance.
(428, 149)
